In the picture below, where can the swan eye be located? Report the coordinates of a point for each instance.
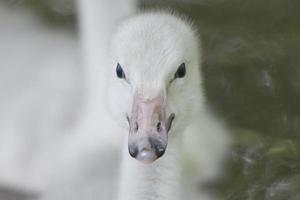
(120, 72)
(180, 73)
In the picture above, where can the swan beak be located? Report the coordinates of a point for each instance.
(149, 127)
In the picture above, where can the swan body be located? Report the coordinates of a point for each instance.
(169, 141)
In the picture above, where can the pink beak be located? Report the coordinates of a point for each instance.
(149, 127)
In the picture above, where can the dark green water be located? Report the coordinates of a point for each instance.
(251, 52)
(252, 79)
(251, 66)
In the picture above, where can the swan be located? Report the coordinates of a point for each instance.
(156, 71)
(155, 94)
(170, 142)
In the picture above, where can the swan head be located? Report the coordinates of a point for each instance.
(155, 87)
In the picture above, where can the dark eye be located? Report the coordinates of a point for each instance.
(180, 73)
(120, 72)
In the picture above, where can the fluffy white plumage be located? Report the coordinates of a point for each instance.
(150, 47)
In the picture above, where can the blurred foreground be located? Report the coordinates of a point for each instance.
(40, 97)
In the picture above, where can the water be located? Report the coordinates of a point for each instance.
(252, 79)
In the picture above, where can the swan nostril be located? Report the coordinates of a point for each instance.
(136, 127)
(158, 127)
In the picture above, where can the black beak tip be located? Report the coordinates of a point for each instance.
(160, 152)
(133, 151)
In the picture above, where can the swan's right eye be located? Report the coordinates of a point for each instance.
(119, 71)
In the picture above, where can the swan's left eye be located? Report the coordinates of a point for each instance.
(180, 73)
(120, 72)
